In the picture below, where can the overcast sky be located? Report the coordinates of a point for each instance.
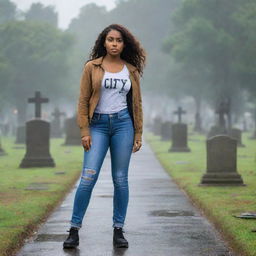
(67, 9)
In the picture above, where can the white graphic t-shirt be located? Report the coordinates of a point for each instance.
(114, 88)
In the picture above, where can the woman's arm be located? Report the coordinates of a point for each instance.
(83, 102)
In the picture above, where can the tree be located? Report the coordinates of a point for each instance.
(38, 12)
(37, 60)
(7, 11)
(207, 37)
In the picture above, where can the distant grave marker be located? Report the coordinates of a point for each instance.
(179, 112)
(179, 134)
(223, 111)
(237, 135)
(166, 130)
(20, 135)
(73, 136)
(157, 123)
(56, 131)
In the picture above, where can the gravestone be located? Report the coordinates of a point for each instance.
(37, 138)
(157, 123)
(221, 162)
(179, 134)
(237, 135)
(21, 135)
(166, 130)
(179, 138)
(56, 131)
(73, 136)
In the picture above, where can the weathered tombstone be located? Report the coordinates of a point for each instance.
(221, 162)
(179, 134)
(237, 135)
(166, 130)
(56, 131)
(21, 135)
(157, 125)
(37, 138)
(73, 136)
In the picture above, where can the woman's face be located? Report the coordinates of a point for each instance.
(114, 43)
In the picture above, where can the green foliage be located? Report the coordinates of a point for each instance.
(217, 39)
(7, 11)
(37, 59)
(38, 12)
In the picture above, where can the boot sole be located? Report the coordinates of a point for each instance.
(65, 246)
(120, 245)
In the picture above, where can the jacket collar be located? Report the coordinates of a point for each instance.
(99, 60)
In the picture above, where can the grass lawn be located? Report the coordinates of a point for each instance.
(21, 209)
(219, 204)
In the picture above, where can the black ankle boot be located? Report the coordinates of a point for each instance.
(73, 239)
(118, 238)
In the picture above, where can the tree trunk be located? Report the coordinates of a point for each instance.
(198, 121)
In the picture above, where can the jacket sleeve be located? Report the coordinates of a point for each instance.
(139, 128)
(83, 101)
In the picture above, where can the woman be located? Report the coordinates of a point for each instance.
(109, 115)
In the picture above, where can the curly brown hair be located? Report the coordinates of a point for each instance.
(133, 53)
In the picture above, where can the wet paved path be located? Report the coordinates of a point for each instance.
(160, 219)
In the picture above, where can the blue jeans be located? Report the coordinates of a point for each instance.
(107, 130)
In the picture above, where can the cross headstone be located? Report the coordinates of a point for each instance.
(179, 112)
(221, 162)
(56, 131)
(223, 109)
(37, 139)
(38, 100)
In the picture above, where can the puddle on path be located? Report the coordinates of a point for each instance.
(168, 213)
(51, 237)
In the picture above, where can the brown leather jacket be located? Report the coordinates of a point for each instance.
(90, 87)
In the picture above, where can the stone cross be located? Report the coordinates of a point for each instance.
(179, 112)
(222, 110)
(38, 101)
(57, 114)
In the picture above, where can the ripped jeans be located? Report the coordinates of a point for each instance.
(107, 130)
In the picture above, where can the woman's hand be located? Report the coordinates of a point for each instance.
(87, 142)
(136, 146)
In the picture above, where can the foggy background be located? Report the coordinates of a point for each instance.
(199, 54)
